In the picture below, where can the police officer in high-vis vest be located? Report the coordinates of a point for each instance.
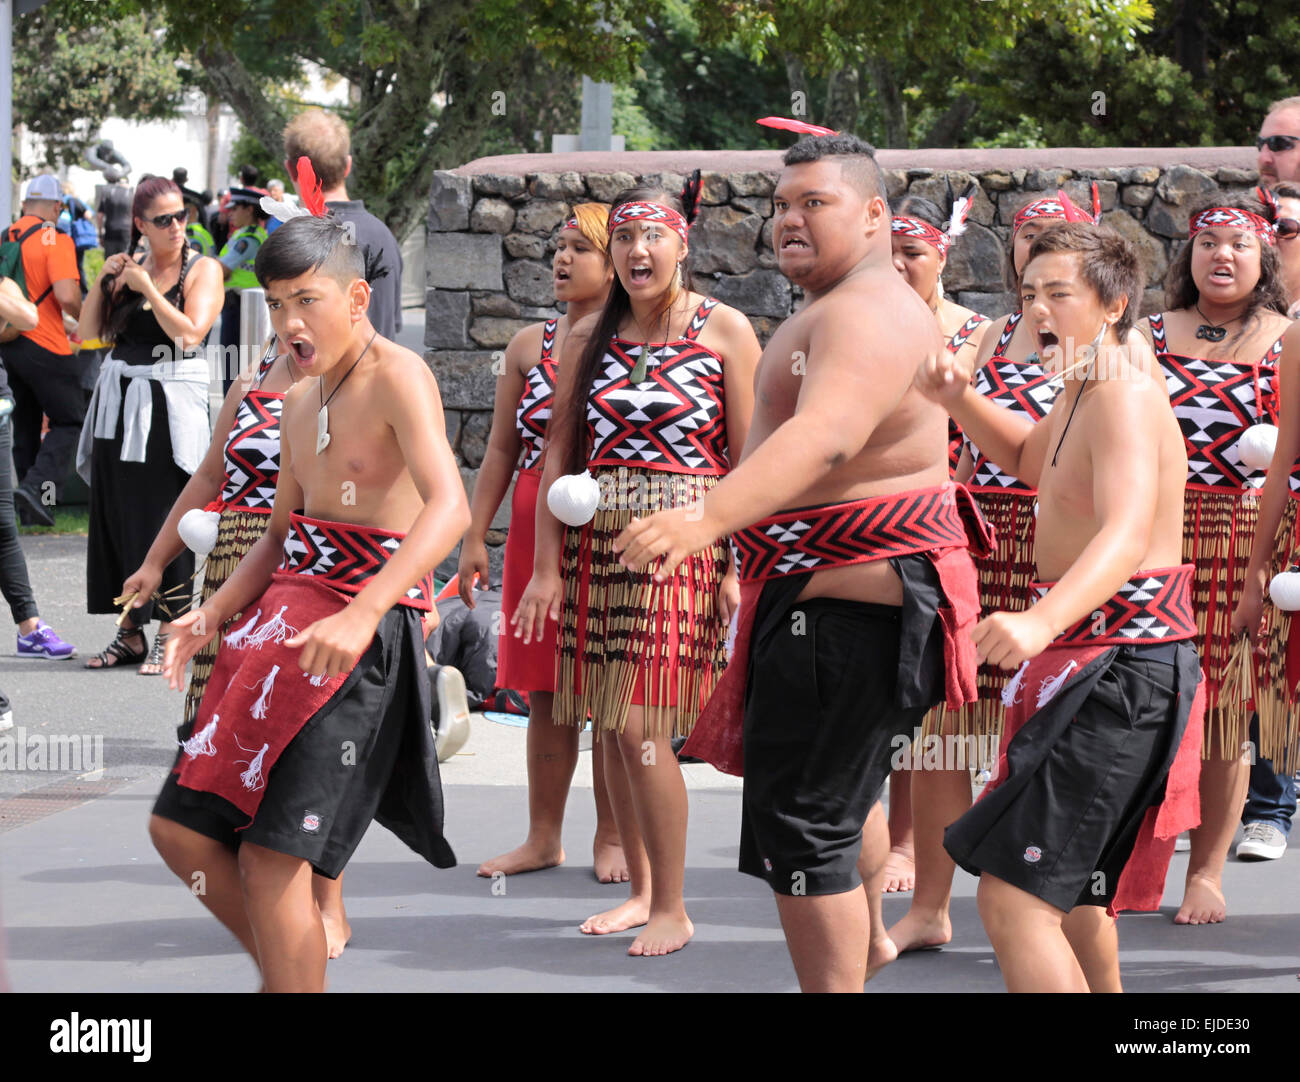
(196, 231)
(247, 234)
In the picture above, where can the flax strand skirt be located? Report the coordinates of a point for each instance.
(1004, 578)
(237, 532)
(618, 628)
(1238, 679)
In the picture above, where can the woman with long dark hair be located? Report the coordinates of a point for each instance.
(654, 397)
(1219, 341)
(525, 395)
(146, 428)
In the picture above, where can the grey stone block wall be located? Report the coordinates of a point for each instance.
(490, 243)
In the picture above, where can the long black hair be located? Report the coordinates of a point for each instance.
(573, 418)
(1269, 295)
(119, 305)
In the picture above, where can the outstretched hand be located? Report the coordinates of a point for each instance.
(944, 377)
(189, 634)
(333, 645)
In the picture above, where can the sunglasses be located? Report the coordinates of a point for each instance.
(1287, 228)
(162, 221)
(1277, 143)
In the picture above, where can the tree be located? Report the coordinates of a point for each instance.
(76, 64)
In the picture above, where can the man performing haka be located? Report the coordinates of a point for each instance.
(1098, 766)
(858, 592)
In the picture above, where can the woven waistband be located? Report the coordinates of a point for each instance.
(1153, 606)
(860, 531)
(346, 556)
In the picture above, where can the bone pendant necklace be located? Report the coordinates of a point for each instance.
(323, 416)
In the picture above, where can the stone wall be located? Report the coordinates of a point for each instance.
(491, 225)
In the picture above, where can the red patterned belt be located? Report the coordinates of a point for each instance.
(1153, 606)
(346, 556)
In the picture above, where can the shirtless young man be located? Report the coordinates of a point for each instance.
(1107, 667)
(845, 658)
(316, 719)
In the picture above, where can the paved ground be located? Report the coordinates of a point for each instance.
(87, 905)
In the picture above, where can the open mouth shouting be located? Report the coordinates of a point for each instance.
(303, 351)
(561, 275)
(793, 242)
(1047, 342)
(641, 274)
(1222, 275)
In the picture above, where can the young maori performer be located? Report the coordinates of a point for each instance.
(1218, 344)
(1097, 770)
(1009, 372)
(654, 397)
(921, 245)
(858, 591)
(525, 393)
(316, 718)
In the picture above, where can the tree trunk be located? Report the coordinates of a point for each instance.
(947, 129)
(889, 97)
(227, 79)
(1191, 44)
(842, 96)
(798, 80)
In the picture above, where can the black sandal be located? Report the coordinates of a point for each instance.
(119, 653)
(156, 654)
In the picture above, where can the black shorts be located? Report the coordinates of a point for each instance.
(821, 722)
(367, 754)
(1080, 778)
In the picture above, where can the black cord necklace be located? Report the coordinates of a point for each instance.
(1082, 387)
(323, 417)
(1212, 332)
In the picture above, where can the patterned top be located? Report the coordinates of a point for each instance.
(346, 556)
(534, 408)
(954, 429)
(674, 421)
(253, 448)
(1215, 402)
(1023, 387)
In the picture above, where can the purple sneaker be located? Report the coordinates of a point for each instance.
(44, 642)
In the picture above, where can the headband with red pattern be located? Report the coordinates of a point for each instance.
(1232, 218)
(572, 223)
(648, 212)
(1062, 208)
(906, 226)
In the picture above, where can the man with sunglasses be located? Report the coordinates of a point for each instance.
(1279, 143)
(247, 234)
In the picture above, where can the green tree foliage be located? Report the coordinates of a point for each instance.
(78, 63)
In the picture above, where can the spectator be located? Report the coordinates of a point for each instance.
(78, 222)
(35, 637)
(219, 219)
(114, 213)
(248, 231)
(249, 176)
(1279, 143)
(196, 233)
(324, 139)
(1288, 241)
(147, 427)
(43, 373)
(275, 189)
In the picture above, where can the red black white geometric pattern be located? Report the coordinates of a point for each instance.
(346, 556)
(1023, 387)
(1215, 402)
(534, 409)
(955, 343)
(966, 330)
(1153, 606)
(839, 534)
(675, 420)
(253, 453)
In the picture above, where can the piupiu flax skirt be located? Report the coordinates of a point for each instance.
(626, 640)
(1217, 536)
(237, 531)
(1004, 579)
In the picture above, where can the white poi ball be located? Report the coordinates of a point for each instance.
(573, 499)
(1285, 590)
(1255, 448)
(198, 529)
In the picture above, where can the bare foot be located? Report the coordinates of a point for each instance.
(608, 861)
(529, 857)
(663, 935)
(1203, 902)
(337, 931)
(879, 954)
(632, 913)
(921, 931)
(900, 872)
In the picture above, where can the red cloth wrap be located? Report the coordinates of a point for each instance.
(942, 523)
(1142, 882)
